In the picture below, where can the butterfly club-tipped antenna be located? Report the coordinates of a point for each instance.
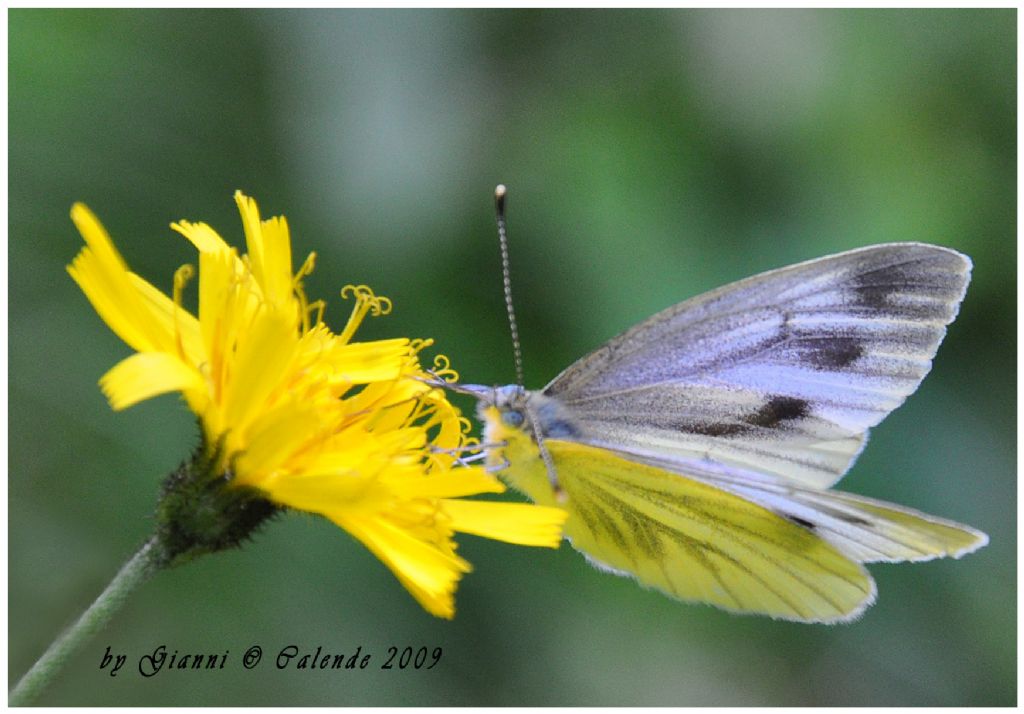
(506, 276)
(500, 192)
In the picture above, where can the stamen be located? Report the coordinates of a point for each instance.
(421, 410)
(307, 267)
(443, 369)
(366, 302)
(418, 344)
(379, 304)
(319, 306)
(300, 293)
(303, 309)
(181, 278)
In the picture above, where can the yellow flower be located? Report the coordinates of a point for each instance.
(294, 415)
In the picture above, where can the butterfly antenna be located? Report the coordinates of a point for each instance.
(506, 274)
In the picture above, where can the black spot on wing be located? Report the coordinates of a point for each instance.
(777, 410)
(875, 287)
(852, 519)
(714, 428)
(833, 353)
(875, 297)
(773, 414)
(923, 288)
(799, 521)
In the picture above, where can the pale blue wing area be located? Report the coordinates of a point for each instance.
(782, 373)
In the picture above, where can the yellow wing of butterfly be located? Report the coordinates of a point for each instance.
(688, 539)
(697, 542)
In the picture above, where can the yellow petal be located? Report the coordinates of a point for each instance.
(103, 276)
(227, 304)
(270, 252)
(260, 366)
(96, 237)
(145, 375)
(275, 270)
(274, 438)
(172, 319)
(360, 362)
(429, 574)
(327, 493)
(202, 236)
(520, 523)
(448, 484)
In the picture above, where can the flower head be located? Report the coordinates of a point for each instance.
(294, 415)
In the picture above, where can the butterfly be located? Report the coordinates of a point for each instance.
(697, 451)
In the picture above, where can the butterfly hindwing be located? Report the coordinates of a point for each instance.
(699, 543)
(865, 529)
(713, 534)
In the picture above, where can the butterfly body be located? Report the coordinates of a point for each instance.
(696, 452)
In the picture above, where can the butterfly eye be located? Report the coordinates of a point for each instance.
(512, 417)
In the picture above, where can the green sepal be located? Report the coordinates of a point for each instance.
(200, 511)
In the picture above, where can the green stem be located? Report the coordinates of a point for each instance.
(135, 572)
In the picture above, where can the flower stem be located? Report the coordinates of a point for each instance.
(135, 572)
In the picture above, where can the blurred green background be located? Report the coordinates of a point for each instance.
(650, 155)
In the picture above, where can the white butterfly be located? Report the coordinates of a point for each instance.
(697, 450)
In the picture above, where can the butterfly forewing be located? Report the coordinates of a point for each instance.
(779, 375)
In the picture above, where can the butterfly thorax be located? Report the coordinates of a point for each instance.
(513, 418)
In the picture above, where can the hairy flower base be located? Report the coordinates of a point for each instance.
(200, 512)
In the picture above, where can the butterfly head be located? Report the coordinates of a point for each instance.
(505, 404)
(511, 403)
(513, 408)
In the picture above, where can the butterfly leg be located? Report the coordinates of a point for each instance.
(498, 468)
(545, 455)
(436, 380)
(560, 495)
